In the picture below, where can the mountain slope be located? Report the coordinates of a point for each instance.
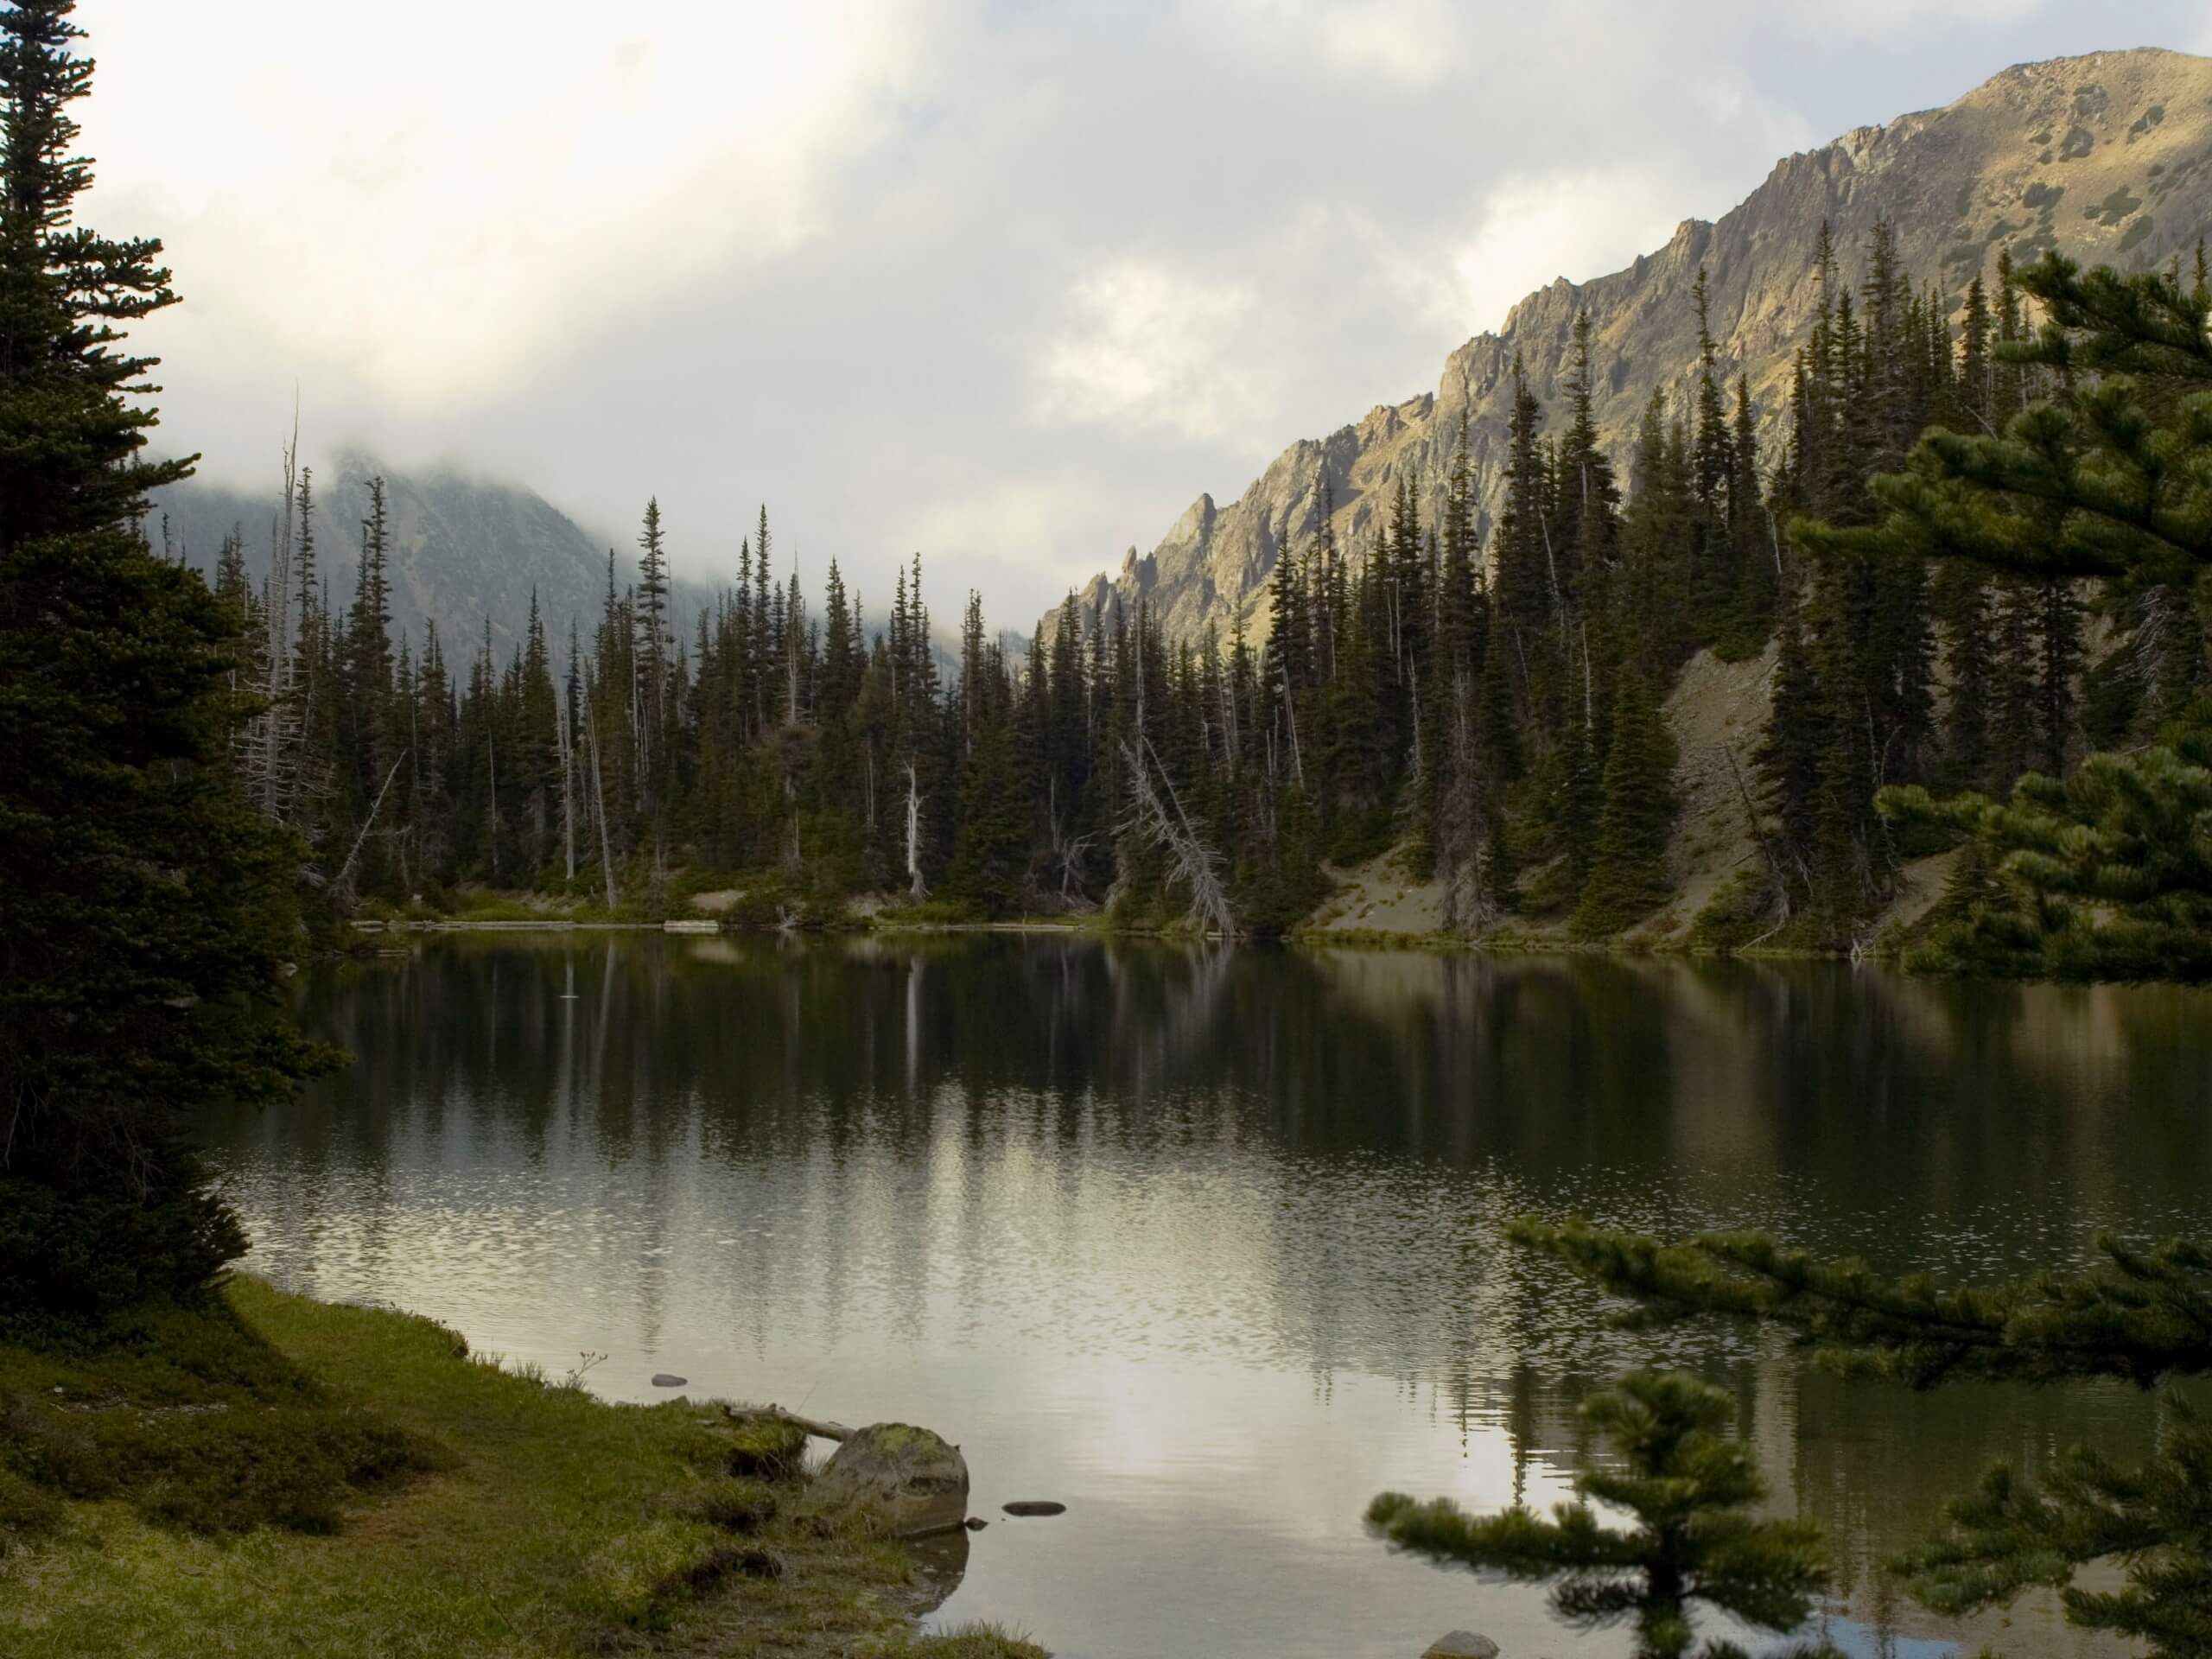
(2107, 158)
(464, 548)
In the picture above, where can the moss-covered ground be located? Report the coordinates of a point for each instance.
(269, 1475)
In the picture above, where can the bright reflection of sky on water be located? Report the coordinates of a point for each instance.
(1208, 1249)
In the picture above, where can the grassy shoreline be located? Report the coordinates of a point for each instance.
(1509, 943)
(273, 1475)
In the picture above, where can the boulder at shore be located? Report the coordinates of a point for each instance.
(914, 1481)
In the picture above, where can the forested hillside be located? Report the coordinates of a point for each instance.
(462, 548)
(1492, 707)
(1477, 684)
(2099, 158)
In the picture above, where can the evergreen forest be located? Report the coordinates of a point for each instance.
(1974, 556)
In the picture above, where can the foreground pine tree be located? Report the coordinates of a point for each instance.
(2141, 1317)
(1690, 1487)
(2108, 874)
(145, 908)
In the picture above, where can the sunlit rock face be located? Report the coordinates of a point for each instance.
(2104, 157)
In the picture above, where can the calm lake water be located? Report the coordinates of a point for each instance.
(1208, 1246)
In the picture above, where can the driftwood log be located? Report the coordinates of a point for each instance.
(913, 1481)
(812, 1426)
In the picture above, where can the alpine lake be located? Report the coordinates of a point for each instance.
(1209, 1244)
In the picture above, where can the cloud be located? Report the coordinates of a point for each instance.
(1147, 343)
(1414, 43)
(1007, 282)
(1891, 20)
(423, 201)
(1535, 227)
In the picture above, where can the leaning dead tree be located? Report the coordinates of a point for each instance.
(343, 881)
(814, 1426)
(1067, 855)
(1156, 814)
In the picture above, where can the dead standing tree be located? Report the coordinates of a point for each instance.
(920, 888)
(1192, 864)
(273, 736)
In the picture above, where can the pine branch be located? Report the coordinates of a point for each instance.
(2005, 1537)
(2140, 1317)
(1688, 1487)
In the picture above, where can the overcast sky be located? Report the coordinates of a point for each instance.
(1006, 282)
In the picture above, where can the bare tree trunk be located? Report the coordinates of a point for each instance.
(346, 870)
(1459, 817)
(1419, 761)
(492, 748)
(915, 834)
(270, 749)
(1191, 860)
(598, 795)
(1290, 710)
(567, 789)
(1228, 719)
(813, 1425)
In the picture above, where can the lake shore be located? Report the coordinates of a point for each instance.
(1535, 941)
(1380, 903)
(275, 1475)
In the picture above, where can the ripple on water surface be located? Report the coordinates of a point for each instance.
(1209, 1245)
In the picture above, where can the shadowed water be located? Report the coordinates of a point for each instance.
(1208, 1245)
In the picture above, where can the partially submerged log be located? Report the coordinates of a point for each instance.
(813, 1425)
(914, 1482)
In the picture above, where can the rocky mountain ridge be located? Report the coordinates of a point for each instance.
(2105, 157)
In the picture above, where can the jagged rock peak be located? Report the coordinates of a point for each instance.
(2107, 157)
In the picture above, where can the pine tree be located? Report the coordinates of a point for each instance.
(1524, 592)
(2140, 1317)
(1789, 759)
(1755, 551)
(149, 908)
(1968, 625)
(1690, 1489)
(2094, 486)
(1628, 876)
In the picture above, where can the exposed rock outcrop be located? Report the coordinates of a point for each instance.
(911, 1479)
(2107, 157)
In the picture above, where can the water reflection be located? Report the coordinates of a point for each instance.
(1207, 1243)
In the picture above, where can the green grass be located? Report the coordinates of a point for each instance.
(276, 1476)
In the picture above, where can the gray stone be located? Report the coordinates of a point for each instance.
(669, 1380)
(912, 1480)
(1461, 1645)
